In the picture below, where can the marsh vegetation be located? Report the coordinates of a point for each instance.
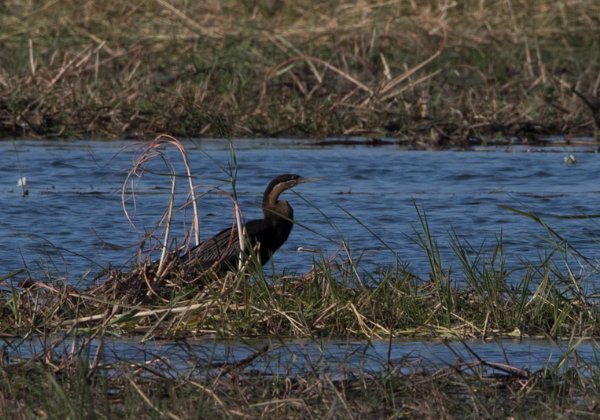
(435, 72)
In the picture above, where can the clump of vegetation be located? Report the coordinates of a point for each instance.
(330, 300)
(433, 72)
(483, 300)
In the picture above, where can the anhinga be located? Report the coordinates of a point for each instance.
(263, 236)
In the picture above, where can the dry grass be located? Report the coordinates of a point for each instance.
(440, 71)
(327, 301)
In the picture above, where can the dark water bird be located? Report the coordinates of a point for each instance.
(263, 236)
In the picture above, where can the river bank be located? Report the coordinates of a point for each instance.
(434, 73)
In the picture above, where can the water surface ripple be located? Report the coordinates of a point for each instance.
(72, 221)
(340, 359)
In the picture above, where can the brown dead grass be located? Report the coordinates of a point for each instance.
(438, 70)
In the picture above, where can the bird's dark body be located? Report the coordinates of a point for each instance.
(223, 249)
(221, 252)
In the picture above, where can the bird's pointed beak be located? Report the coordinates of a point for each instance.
(305, 180)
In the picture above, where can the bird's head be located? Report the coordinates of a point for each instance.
(282, 183)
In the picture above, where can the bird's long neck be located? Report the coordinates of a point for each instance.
(279, 212)
(274, 210)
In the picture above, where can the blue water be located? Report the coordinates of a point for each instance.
(334, 358)
(72, 223)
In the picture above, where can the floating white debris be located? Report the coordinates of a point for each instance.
(305, 249)
(23, 184)
(570, 159)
